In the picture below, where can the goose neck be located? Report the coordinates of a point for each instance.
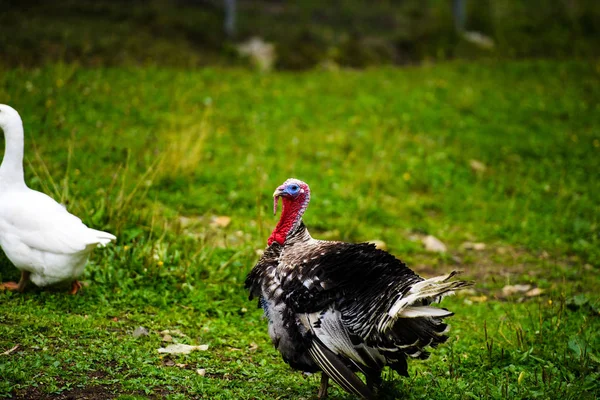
(11, 169)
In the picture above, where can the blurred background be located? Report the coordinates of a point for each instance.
(293, 35)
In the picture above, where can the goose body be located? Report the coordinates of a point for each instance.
(342, 308)
(38, 235)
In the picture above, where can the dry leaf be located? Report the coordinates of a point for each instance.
(473, 246)
(477, 166)
(534, 292)
(433, 244)
(167, 338)
(182, 348)
(201, 371)
(510, 290)
(140, 331)
(220, 222)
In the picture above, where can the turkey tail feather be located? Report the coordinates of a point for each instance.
(338, 371)
(411, 305)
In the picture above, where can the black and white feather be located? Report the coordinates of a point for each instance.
(341, 308)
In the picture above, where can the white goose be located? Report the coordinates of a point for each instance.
(42, 239)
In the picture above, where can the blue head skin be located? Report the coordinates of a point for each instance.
(295, 196)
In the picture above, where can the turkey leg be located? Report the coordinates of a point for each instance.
(324, 385)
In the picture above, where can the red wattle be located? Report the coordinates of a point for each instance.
(291, 208)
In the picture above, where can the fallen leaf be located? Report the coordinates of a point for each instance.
(510, 290)
(201, 371)
(167, 338)
(473, 246)
(477, 166)
(534, 292)
(182, 348)
(253, 346)
(433, 244)
(181, 365)
(140, 331)
(220, 222)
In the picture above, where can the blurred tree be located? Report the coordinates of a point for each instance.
(229, 24)
(459, 13)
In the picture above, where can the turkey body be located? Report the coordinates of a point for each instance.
(341, 308)
(337, 297)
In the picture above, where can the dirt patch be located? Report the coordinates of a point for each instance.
(97, 392)
(494, 264)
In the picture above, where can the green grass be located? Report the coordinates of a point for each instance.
(152, 154)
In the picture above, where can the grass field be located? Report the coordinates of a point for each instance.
(506, 154)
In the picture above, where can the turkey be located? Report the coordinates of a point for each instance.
(342, 308)
(38, 235)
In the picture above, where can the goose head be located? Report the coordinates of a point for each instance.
(9, 118)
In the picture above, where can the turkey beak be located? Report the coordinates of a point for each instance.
(280, 191)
